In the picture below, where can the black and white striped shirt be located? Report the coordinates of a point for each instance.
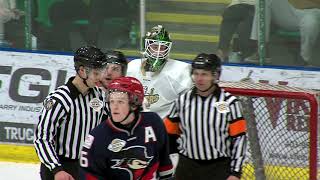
(211, 127)
(65, 120)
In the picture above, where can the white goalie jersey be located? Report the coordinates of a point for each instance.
(163, 88)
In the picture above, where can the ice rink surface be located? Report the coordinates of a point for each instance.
(19, 171)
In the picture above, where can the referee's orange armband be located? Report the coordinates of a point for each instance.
(237, 127)
(172, 127)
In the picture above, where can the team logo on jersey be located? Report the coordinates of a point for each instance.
(96, 104)
(145, 104)
(88, 142)
(151, 97)
(48, 103)
(222, 107)
(116, 145)
(132, 159)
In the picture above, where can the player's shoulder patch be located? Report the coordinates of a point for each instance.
(88, 141)
(48, 103)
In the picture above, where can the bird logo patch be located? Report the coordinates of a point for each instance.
(96, 104)
(135, 160)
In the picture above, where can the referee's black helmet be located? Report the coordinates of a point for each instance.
(208, 62)
(89, 56)
(117, 57)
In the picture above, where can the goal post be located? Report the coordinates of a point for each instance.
(282, 130)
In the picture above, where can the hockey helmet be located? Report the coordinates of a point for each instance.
(90, 57)
(208, 62)
(117, 57)
(129, 85)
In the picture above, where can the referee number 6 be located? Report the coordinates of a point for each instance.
(84, 159)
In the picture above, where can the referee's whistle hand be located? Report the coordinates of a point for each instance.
(62, 175)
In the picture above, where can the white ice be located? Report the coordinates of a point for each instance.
(19, 171)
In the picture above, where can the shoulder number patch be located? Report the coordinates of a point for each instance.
(88, 142)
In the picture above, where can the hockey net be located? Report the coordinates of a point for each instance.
(282, 130)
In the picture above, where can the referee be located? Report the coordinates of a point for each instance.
(69, 113)
(209, 125)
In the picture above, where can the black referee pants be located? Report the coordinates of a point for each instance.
(189, 169)
(69, 165)
(238, 18)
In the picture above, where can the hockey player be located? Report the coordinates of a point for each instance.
(163, 79)
(116, 67)
(131, 144)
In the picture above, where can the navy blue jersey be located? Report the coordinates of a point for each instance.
(110, 152)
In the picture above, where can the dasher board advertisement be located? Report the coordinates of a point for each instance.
(26, 79)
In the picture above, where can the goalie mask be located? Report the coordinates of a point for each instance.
(157, 46)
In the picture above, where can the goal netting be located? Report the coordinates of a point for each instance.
(282, 130)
